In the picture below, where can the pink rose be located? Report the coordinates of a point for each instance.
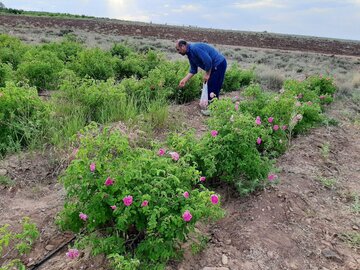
(271, 119)
(186, 194)
(272, 177)
(187, 216)
(72, 253)
(258, 120)
(214, 199)
(202, 179)
(83, 216)
(161, 152)
(174, 155)
(258, 141)
(92, 167)
(214, 133)
(113, 207)
(284, 127)
(128, 200)
(144, 203)
(276, 127)
(109, 182)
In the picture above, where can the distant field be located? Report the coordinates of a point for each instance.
(215, 36)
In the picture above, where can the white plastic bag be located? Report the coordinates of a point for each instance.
(204, 96)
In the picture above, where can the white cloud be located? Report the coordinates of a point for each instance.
(258, 4)
(126, 10)
(187, 8)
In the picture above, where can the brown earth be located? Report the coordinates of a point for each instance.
(298, 224)
(225, 37)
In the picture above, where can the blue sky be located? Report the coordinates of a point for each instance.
(335, 19)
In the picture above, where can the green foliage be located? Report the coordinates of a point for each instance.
(6, 73)
(23, 118)
(21, 242)
(41, 69)
(119, 262)
(121, 50)
(152, 232)
(6, 181)
(352, 238)
(236, 78)
(233, 152)
(327, 182)
(321, 85)
(13, 264)
(130, 63)
(95, 63)
(66, 50)
(11, 50)
(82, 101)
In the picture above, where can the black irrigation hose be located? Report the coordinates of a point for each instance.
(49, 255)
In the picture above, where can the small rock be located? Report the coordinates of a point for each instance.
(50, 247)
(356, 228)
(330, 254)
(293, 265)
(224, 259)
(352, 266)
(3, 172)
(270, 254)
(228, 242)
(269, 208)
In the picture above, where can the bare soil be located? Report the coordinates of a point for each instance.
(225, 37)
(297, 224)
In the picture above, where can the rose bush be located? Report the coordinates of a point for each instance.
(142, 202)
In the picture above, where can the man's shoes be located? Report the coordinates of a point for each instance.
(205, 112)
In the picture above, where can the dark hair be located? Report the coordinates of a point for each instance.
(182, 42)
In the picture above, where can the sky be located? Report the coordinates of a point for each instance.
(333, 19)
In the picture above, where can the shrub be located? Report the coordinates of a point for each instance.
(41, 69)
(229, 149)
(11, 50)
(137, 64)
(66, 50)
(236, 78)
(82, 100)
(321, 85)
(271, 79)
(121, 50)
(23, 118)
(95, 63)
(135, 196)
(21, 242)
(233, 144)
(6, 73)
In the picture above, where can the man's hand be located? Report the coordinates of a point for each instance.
(206, 77)
(182, 83)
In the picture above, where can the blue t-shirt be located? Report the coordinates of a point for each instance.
(204, 56)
